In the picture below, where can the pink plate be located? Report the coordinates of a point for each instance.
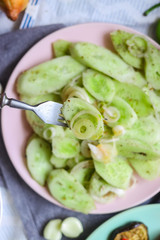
(16, 130)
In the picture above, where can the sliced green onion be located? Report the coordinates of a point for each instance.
(105, 152)
(75, 91)
(85, 149)
(118, 130)
(49, 133)
(85, 114)
(137, 46)
(111, 114)
(83, 129)
(85, 124)
(71, 227)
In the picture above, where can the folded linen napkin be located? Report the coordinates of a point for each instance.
(33, 210)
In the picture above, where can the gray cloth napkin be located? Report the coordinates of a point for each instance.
(34, 211)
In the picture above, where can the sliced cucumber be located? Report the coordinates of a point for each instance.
(37, 125)
(49, 76)
(145, 129)
(99, 85)
(83, 172)
(137, 149)
(127, 114)
(71, 227)
(68, 191)
(61, 48)
(105, 61)
(52, 230)
(152, 69)
(38, 153)
(118, 173)
(128, 48)
(58, 162)
(101, 191)
(74, 161)
(155, 100)
(146, 169)
(135, 97)
(65, 147)
(33, 100)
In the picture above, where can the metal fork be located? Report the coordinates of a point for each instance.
(49, 112)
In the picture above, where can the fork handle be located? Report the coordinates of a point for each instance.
(5, 101)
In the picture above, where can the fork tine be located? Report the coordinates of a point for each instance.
(62, 122)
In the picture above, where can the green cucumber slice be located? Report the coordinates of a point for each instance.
(105, 61)
(147, 169)
(52, 230)
(152, 69)
(58, 162)
(119, 39)
(101, 191)
(117, 173)
(71, 227)
(83, 172)
(99, 85)
(145, 129)
(137, 149)
(135, 97)
(38, 153)
(61, 48)
(74, 161)
(68, 191)
(48, 76)
(33, 100)
(155, 100)
(65, 147)
(37, 125)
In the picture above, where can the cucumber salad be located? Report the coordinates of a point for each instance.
(111, 103)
